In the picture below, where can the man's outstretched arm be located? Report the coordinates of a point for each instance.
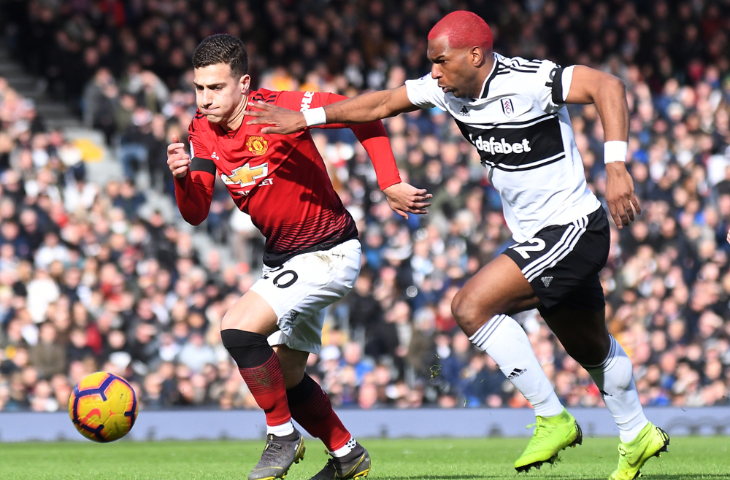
(609, 95)
(361, 109)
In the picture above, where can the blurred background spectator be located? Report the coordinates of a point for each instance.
(87, 284)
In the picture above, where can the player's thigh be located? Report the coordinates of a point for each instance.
(499, 287)
(293, 363)
(251, 313)
(582, 331)
(306, 285)
(562, 263)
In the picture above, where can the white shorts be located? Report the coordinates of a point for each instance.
(302, 287)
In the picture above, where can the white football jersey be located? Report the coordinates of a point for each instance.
(523, 133)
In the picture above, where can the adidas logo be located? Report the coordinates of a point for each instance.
(464, 111)
(516, 373)
(546, 281)
(603, 392)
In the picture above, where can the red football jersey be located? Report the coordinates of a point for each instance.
(279, 180)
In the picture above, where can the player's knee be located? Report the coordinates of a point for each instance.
(465, 312)
(587, 350)
(293, 364)
(232, 320)
(247, 321)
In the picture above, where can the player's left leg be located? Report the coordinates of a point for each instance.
(586, 339)
(319, 279)
(244, 330)
(310, 406)
(481, 308)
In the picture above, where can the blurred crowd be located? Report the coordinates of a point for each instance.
(87, 285)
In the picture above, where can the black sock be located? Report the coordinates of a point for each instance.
(302, 392)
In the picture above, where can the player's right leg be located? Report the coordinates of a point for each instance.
(310, 406)
(245, 330)
(298, 291)
(480, 308)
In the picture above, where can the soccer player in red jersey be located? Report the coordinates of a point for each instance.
(312, 256)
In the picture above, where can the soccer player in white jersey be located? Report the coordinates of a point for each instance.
(513, 111)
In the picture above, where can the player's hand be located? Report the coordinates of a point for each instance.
(404, 199)
(728, 236)
(284, 121)
(620, 194)
(177, 160)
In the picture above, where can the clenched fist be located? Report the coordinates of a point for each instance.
(177, 160)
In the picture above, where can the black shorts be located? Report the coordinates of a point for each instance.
(562, 263)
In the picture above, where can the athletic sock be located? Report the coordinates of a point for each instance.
(506, 342)
(260, 369)
(346, 450)
(311, 408)
(280, 430)
(615, 380)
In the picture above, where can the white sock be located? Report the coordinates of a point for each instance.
(615, 379)
(280, 430)
(504, 340)
(342, 451)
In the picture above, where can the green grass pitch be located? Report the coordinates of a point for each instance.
(689, 458)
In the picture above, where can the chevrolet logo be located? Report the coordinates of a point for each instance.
(245, 175)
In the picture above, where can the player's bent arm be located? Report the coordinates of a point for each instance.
(370, 106)
(374, 138)
(402, 197)
(194, 191)
(608, 93)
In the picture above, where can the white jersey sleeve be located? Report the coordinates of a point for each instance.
(552, 86)
(425, 93)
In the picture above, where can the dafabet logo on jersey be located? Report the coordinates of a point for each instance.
(257, 144)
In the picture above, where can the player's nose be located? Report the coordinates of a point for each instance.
(435, 71)
(206, 97)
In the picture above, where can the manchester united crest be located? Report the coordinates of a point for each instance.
(257, 145)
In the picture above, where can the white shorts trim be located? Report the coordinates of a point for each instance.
(559, 251)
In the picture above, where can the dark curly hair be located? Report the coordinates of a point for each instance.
(222, 48)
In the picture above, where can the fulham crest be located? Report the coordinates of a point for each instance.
(507, 107)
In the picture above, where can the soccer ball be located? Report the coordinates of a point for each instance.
(103, 407)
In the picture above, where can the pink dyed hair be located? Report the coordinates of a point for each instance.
(464, 30)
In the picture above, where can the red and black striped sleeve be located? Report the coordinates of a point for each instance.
(194, 191)
(372, 135)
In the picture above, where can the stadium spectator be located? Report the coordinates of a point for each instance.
(667, 282)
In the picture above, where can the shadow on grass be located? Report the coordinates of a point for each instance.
(671, 476)
(651, 476)
(433, 477)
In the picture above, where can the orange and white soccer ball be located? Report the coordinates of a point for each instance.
(103, 407)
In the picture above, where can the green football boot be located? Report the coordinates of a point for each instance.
(650, 442)
(552, 434)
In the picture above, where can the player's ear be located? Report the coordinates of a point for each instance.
(244, 83)
(477, 56)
